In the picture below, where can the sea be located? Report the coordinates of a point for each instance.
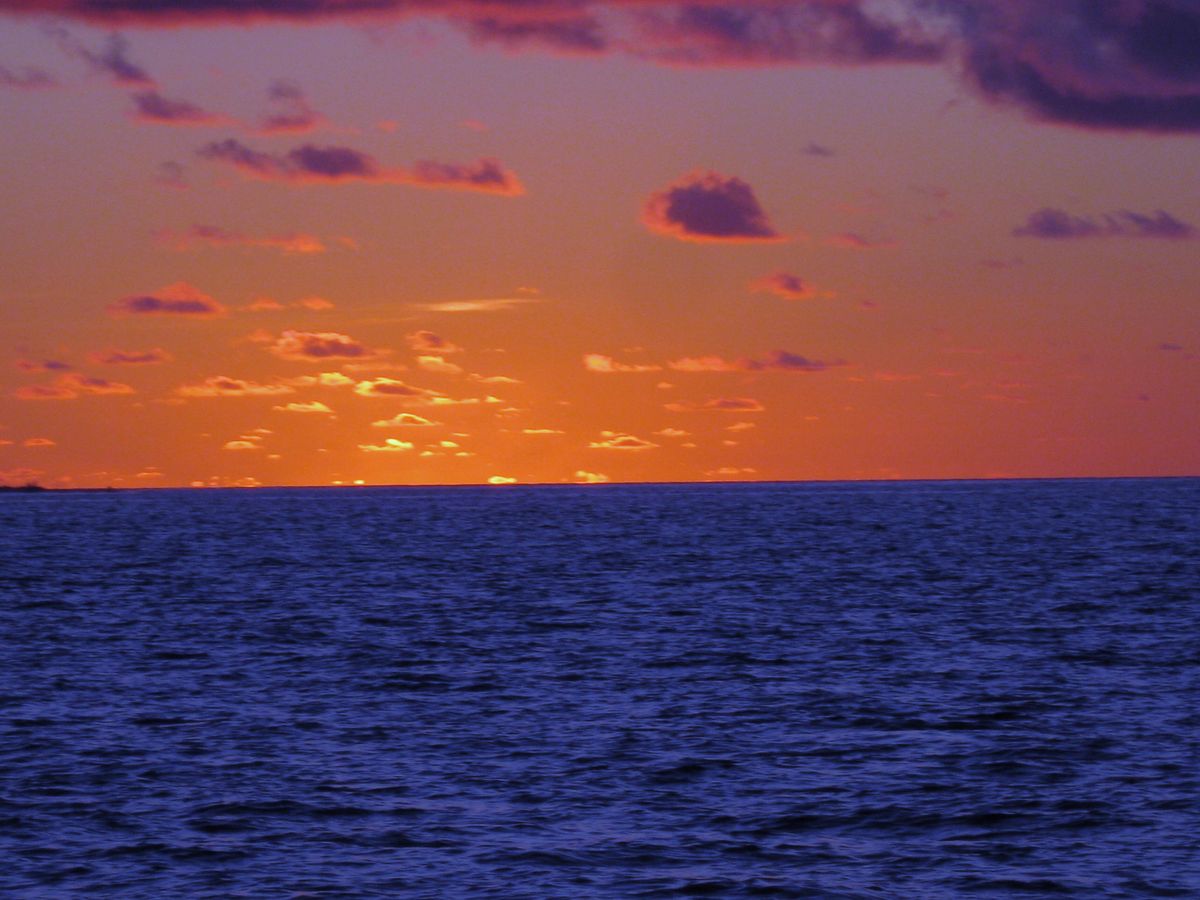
(832, 690)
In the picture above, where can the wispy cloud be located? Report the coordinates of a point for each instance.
(719, 404)
(130, 357)
(619, 440)
(224, 386)
(312, 164)
(318, 346)
(1058, 224)
(490, 304)
(291, 243)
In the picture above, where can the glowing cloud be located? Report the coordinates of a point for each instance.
(708, 207)
(582, 476)
(179, 299)
(389, 387)
(404, 420)
(307, 407)
(429, 342)
(617, 440)
(240, 445)
(776, 361)
(501, 479)
(223, 386)
(390, 445)
(606, 365)
(439, 365)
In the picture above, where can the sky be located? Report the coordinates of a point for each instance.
(320, 242)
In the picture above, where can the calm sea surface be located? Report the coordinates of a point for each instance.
(922, 690)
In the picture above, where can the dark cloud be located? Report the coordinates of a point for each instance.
(1113, 64)
(111, 59)
(130, 357)
(322, 345)
(705, 206)
(428, 342)
(43, 365)
(151, 106)
(1057, 224)
(310, 163)
(224, 386)
(775, 361)
(174, 300)
(170, 174)
(821, 150)
(785, 285)
(27, 78)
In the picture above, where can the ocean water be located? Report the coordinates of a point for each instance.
(916, 690)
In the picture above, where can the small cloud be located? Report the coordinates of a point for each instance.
(582, 476)
(223, 386)
(598, 362)
(672, 433)
(298, 244)
(1170, 347)
(291, 113)
(312, 406)
(776, 361)
(429, 342)
(130, 357)
(153, 108)
(438, 365)
(491, 304)
(390, 445)
(820, 150)
(730, 472)
(320, 345)
(997, 265)
(501, 479)
(405, 420)
(111, 59)
(44, 392)
(86, 384)
(494, 379)
(27, 78)
(179, 299)
(1057, 224)
(240, 445)
(708, 207)
(325, 379)
(542, 431)
(719, 404)
(38, 442)
(389, 387)
(317, 304)
(741, 426)
(852, 240)
(43, 365)
(617, 440)
(787, 286)
(171, 175)
(312, 164)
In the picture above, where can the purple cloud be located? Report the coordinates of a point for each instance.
(153, 107)
(332, 164)
(292, 112)
(27, 78)
(179, 299)
(1057, 224)
(708, 207)
(1111, 64)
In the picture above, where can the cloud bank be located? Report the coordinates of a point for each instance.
(1111, 64)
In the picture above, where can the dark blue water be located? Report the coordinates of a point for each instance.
(875, 691)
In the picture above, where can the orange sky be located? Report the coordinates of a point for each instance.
(425, 250)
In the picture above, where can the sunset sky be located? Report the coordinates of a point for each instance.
(333, 241)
